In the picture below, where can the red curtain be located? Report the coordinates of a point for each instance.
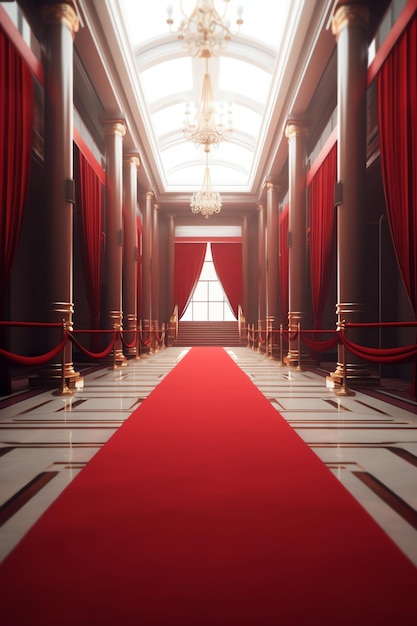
(283, 261)
(89, 201)
(227, 260)
(16, 135)
(397, 105)
(189, 259)
(322, 222)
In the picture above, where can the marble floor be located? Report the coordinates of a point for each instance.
(368, 440)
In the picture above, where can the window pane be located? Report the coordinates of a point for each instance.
(200, 312)
(215, 292)
(188, 313)
(201, 292)
(208, 272)
(229, 316)
(215, 311)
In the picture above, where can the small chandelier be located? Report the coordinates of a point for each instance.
(206, 201)
(203, 32)
(205, 129)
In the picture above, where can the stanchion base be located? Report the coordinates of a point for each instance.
(344, 391)
(64, 391)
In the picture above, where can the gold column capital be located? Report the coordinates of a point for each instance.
(272, 186)
(62, 13)
(131, 159)
(115, 126)
(148, 195)
(156, 207)
(296, 128)
(353, 14)
(260, 207)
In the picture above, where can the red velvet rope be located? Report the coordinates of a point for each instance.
(129, 344)
(263, 341)
(404, 354)
(160, 337)
(37, 324)
(320, 346)
(378, 355)
(95, 355)
(35, 360)
(146, 342)
(379, 324)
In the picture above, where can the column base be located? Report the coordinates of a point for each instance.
(357, 375)
(51, 376)
(299, 361)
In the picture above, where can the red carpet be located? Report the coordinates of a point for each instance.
(205, 508)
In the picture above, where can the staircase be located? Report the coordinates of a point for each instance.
(207, 334)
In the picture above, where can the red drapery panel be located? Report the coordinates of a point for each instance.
(227, 260)
(322, 232)
(16, 134)
(189, 259)
(89, 201)
(283, 261)
(397, 103)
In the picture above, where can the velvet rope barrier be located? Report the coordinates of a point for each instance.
(320, 346)
(160, 337)
(130, 344)
(146, 342)
(34, 324)
(260, 340)
(41, 359)
(406, 354)
(95, 355)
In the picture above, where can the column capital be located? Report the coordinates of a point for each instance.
(270, 185)
(260, 207)
(296, 127)
(349, 14)
(131, 159)
(62, 13)
(156, 207)
(114, 126)
(148, 195)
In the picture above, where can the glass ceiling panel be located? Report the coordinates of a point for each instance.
(265, 20)
(145, 19)
(244, 78)
(228, 154)
(246, 120)
(167, 78)
(191, 173)
(174, 79)
(169, 119)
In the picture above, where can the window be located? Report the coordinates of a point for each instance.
(209, 302)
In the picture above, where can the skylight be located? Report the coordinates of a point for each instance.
(169, 78)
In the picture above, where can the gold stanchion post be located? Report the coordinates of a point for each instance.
(64, 390)
(298, 368)
(344, 389)
(137, 356)
(281, 356)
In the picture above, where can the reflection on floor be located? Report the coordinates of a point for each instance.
(370, 443)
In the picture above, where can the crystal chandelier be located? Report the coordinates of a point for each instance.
(203, 32)
(206, 201)
(205, 129)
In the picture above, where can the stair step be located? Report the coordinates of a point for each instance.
(207, 334)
